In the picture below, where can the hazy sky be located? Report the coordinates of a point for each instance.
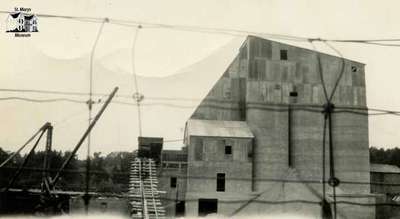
(57, 58)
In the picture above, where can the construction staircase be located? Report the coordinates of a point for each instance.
(143, 193)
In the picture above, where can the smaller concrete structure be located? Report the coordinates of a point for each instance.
(385, 182)
(384, 178)
(220, 169)
(172, 181)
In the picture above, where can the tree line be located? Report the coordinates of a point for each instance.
(108, 173)
(385, 156)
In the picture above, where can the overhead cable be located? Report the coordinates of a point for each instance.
(223, 31)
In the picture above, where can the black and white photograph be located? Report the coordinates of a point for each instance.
(164, 109)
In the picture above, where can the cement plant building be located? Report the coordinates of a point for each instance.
(254, 144)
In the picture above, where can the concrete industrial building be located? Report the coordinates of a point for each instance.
(256, 138)
(384, 183)
(172, 180)
(384, 178)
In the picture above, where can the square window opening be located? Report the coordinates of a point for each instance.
(228, 150)
(284, 54)
(173, 182)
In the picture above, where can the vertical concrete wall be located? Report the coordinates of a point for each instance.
(172, 195)
(385, 186)
(206, 158)
(255, 88)
(381, 178)
(270, 85)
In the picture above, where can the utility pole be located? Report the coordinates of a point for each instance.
(86, 197)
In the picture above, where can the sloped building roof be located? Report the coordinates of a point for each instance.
(384, 168)
(218, 128)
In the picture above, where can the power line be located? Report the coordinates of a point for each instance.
(42, 100)
(90, 102)
(132, 23)
(355, 108)
(300, 107)
(223, 31)
(67, 93)
(376, 42)
(366, 40)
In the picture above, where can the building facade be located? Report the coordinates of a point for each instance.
(219, 173)
(172, 181)
(276, 91)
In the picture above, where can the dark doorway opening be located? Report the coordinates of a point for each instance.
(207, 206)
(180, 209)
(220, 182)
(173, 182)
